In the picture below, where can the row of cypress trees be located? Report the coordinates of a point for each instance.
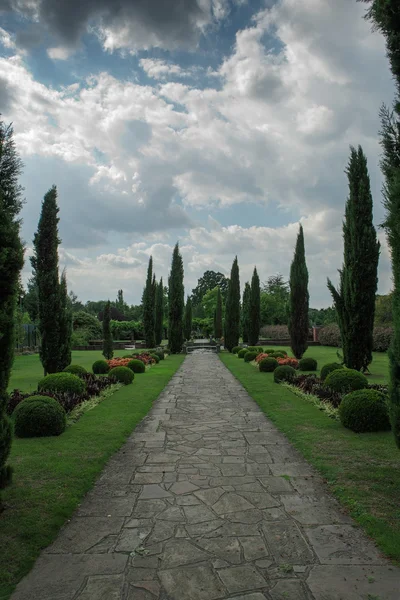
(153, 308)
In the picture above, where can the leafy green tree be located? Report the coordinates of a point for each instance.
(45, 264)
(159, 318)
(298, 299)
(232, 308)
(209, 281)
(31, 299)
(149, 307)
(187, 322)
(355, 298)
(108, 351)
(255, 314)
(246, 312)
(274, 301)
(176, 302)
(384, 310)
(11, 263)
(322, 316)
(65, 325)
(218, 325)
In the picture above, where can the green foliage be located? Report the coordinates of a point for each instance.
(330, 336)
(149, 307)
(155, 356)
(268, 365)
(284, 373)
(122, 375)
(364, 410)
(328, 368)
(257, 349)
(187, 322)
(232, 309)
(137, 366)
(274, 301)
(384, 310)
(159, 316)
(62, 382)
(321, 317)
(298, 299)
(65, 325)
(218, 325)
(254, 309)
(250, 356)
(85, 321)
(108, 351)
(346, 380)
(160, 354)
(246, 312)
(11, 263)
(236, 349)
(176, 300)
(277, 354)
(355, 298)
(242, 352)
(269, 350)
(100, 367)
(45, 264)
(209, 281)
(39, 416)
(75, 370)
(308, 364)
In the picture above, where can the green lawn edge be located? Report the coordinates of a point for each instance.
(52, 475)
(361, 470)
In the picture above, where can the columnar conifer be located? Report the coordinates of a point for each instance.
(218, 325)
(298, 299)
(232, 308)
(108, 351)
(176, 301)
(149, 308)
(246, 312)
(187, 322)
(159, 317)
(254, 309)
(65, 325)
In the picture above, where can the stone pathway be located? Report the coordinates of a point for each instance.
(207, 501)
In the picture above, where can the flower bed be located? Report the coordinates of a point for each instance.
(123, 362)
(288, 361)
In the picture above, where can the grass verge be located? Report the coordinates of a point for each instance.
(362, 470)
(53, 474)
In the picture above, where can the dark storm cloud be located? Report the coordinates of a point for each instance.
(171, 22)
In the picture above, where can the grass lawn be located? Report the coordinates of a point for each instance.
(362, 470)
(53, 474)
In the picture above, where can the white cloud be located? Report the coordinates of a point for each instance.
(59, 53)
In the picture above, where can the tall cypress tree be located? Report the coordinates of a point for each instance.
(246, 312)
(108, 351)
(176, 301)
(187, 322)
(386, 17)
(355, 298)
(255, 309)
(65, 324)
(298, 299)
(45, 264)
(159, 317)
(149, 308)
(232, 308)
(11, 263)
(218, 326)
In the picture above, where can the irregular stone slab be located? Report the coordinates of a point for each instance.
(248, 516)
(299, 469)
(221, 481)
(288, 590)
(320, 510)
(240, 579)
(226, 549)
(260, 470)
(274, 514)
(233, 470)
(82, 533)
(276, 485)
(103, 587)
(210, 496)
(287, 543)
(105, 507)
(198, 514)
(234, 529)
(148, 508)
(253, 548)
(354, 582)
(308, 486)
(181, 552)
(150, 437)
(183, 487)
(163, 457)
(163, 530)
(192, 583)
(230, 503)
(342, 545)
(173, 513)
(263, 500)
(187, 500)
(204, 528)
(153, 491)
(256, 596)
(141, 478)
(132, 538)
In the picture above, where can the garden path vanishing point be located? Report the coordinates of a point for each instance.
(207, 500)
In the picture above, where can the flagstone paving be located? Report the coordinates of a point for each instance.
(208, 500)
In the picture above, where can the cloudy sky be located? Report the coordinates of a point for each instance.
(218, 123)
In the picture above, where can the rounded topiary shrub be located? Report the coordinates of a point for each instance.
(101, 367)
(278, 354)
(242, 352)
(62, 382)
(268, 365)
(122, 374)
(250, 356)
(284, 373)
(346, 380)
(364, 410)
(326, 369)
(39, 416)
(156, 357)
(75, 370)
(236, 349)
(137, 366)
(127, 356)
(257, 349)
(308, 364)
(269, 350)
(160, 354)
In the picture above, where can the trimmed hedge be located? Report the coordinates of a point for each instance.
(284, 373)
(236, 349)
(122, 375)
(75, 370)
(39, 416)
(242, 352)
(268, 365)
(156, 357)
(101, 367)
(258, 349)
(346, 380)
(250, 356)
(62, 382)
(308, 364)
(137, 366)
(364, 410)
(328, 368)
(381, 338)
